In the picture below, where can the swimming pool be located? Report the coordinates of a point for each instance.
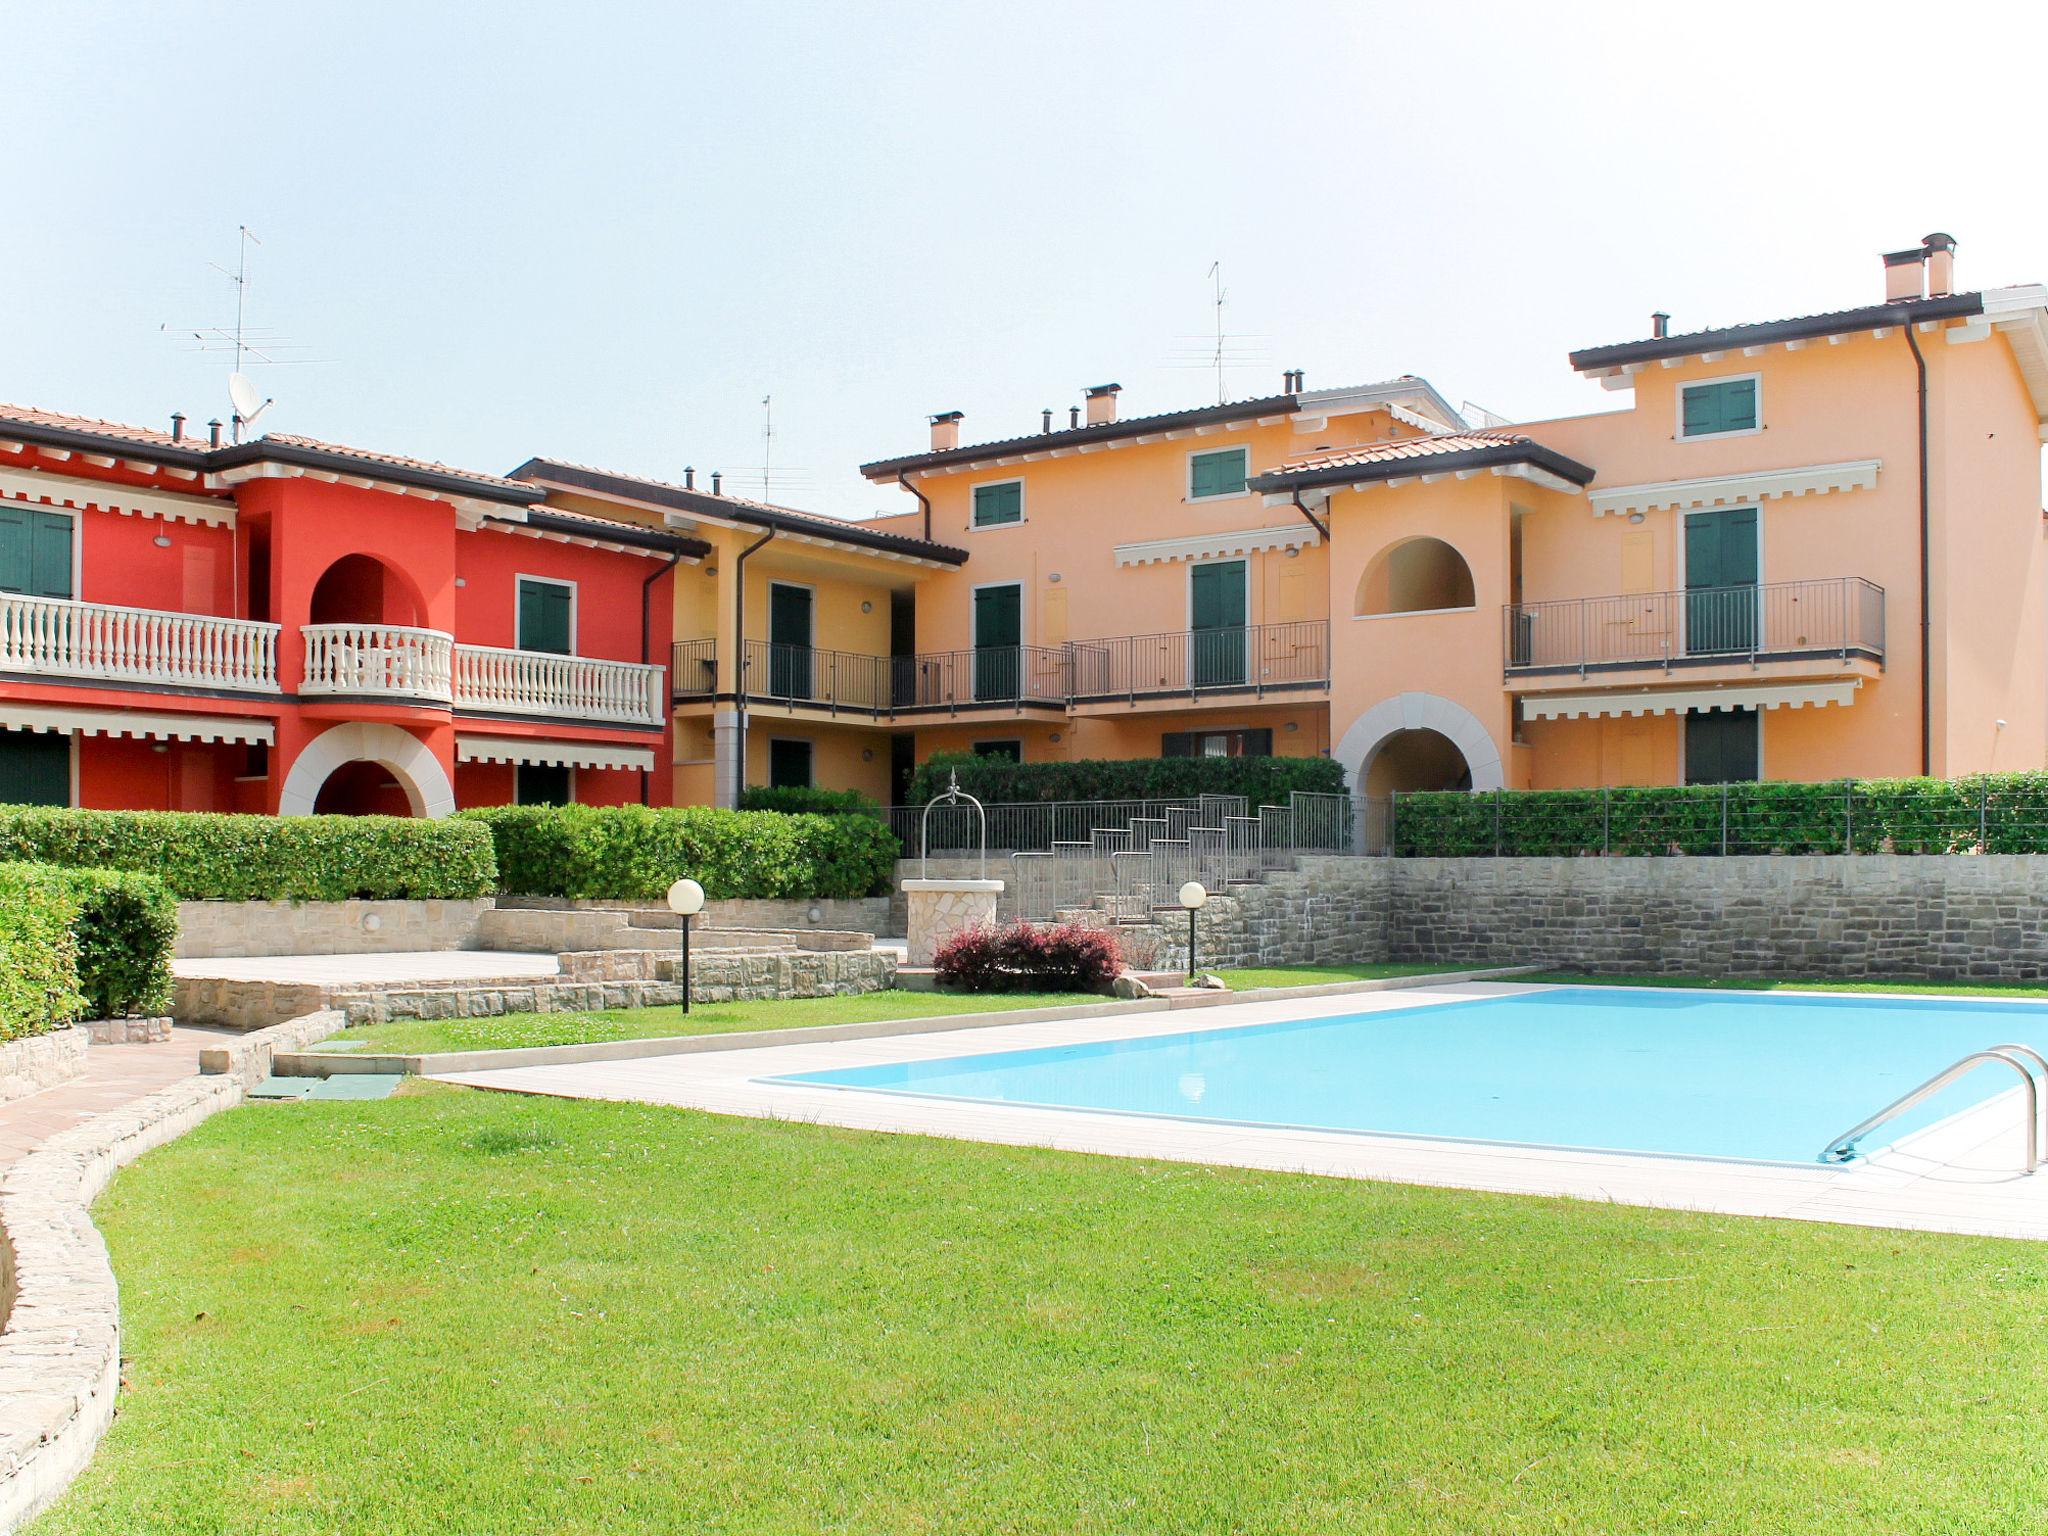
(1765, 1077)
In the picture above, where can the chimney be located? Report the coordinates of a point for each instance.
(213, 432)
(689, 477)
(715, 478)
(1903, 271)
(1290, 382)
(1660, 325)
(1941, 265)
(945, 431)
(1102, 404)
(1073, 416)
(1047, 426)
(177, 426)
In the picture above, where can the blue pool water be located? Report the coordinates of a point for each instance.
(1757, 1076)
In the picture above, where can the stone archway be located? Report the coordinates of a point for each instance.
(404, 755)
(1420, 712)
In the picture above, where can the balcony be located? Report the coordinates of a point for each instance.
(492, 680)
(424, 666)
(1838, 618)
(1005, 676)
(1255, 659)
(99, 642)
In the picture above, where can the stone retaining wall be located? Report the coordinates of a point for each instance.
(555, 929)
(35, 1062)
(1325, 911)
(1949, 917)
(211, 930)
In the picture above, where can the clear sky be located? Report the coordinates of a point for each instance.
(605, 232)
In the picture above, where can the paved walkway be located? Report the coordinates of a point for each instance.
(372, 970)
(114, 1074)
(1957, 1177)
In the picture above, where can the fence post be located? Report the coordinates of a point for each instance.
(1848, 815)
(1724, 821)
(1984, 816)
(1606, 818)
(1393, 800)
(1496, 823)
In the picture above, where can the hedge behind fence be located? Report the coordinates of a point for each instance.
(997, 781)
(796, 800)
(38, 955)
(202, 856)
(1987, 813)
(634, 852)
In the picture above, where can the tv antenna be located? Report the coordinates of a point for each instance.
(1216, 272)
(1219, 350)
(249, 346)
(767, 440)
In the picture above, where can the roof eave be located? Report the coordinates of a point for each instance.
(883, 470)
(295, 456)
(1414, 467)
(1625, 354)
(76, 440)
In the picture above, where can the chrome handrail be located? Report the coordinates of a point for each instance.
(1842, 1147)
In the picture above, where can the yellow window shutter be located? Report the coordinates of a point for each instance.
(1292, 596)
(1052, 627)
(1639, 561)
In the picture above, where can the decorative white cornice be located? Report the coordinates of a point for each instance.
(553, 754)
(101, 495)
(143, 727)
(1675, 701)
(1213, 546)
(1717, 490)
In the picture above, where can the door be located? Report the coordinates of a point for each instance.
(789, 641)
(1218, 624)
(998, 633)
(546, 616)
(1721, 746)
(1721, 581)
(35, 768)
(789, 764)
(35, 552)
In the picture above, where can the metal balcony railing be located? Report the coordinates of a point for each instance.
(1837, 615)
(693, 669)
(878, 685)
(57, 637)
(1251, 658)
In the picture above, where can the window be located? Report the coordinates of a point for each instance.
(1245, 742)
(1008, 751)
(789, 764)
(1722, 747)
(1718, 408)
(35, 551)
(1221, 473)
(1000, 503)
(35, 768)
(547, 616)
(541, 784)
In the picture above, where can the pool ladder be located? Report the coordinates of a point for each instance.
(2023, 1059)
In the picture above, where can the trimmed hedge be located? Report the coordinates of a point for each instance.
(122, 928)
(1982, 813)
(38, 955)
(1019, 957)
(634, 852)
(203, 856)
(793, 800)
(997, 781)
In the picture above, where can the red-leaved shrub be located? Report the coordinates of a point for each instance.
(1019, 957)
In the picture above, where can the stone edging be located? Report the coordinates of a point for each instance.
(36, 1062)
(335, 1063)
(60, 1351)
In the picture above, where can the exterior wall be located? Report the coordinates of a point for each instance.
(118, 562)
(223, 929)
(1937, 918)
(842, 756)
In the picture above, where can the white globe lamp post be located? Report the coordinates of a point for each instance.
(1194, 896)
(686, 900)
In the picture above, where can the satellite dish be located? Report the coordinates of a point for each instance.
(243, 395)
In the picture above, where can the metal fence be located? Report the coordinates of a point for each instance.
(2004, 814)
(1781, 618)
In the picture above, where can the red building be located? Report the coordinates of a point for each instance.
(292, 626)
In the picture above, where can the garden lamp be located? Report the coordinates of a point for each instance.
(1194, 897)
(686, 900)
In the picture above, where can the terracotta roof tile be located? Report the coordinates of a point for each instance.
(1405, 448)
(372, 460)
(1442, 452)
(29, 415)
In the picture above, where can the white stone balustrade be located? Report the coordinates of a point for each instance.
(59, 637)
(506, 682)
(379, 661)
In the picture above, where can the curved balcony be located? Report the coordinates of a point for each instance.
(379, 661)
(497, 681)
(58, 637)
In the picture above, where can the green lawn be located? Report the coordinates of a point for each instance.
(475, 1313)
(1936, 988)
(407, 1037)
(1243, 979)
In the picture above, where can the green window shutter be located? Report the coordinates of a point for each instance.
(1218, 595)
(35, 768)
(997, 617)
(1258, 742)
(995, 504)
(35, 552)
(1177, 744)
(544, 617)
(1217, 474)
(1728, 405)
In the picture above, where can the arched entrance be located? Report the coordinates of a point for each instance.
(361, 589)
(1415, 741)
(349, 770)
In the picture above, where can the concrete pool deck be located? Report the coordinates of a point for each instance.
(1958, 1176)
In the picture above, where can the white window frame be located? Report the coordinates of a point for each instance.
(1678, 431)
(973, 490)
(1187, 479)
(518, 639)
